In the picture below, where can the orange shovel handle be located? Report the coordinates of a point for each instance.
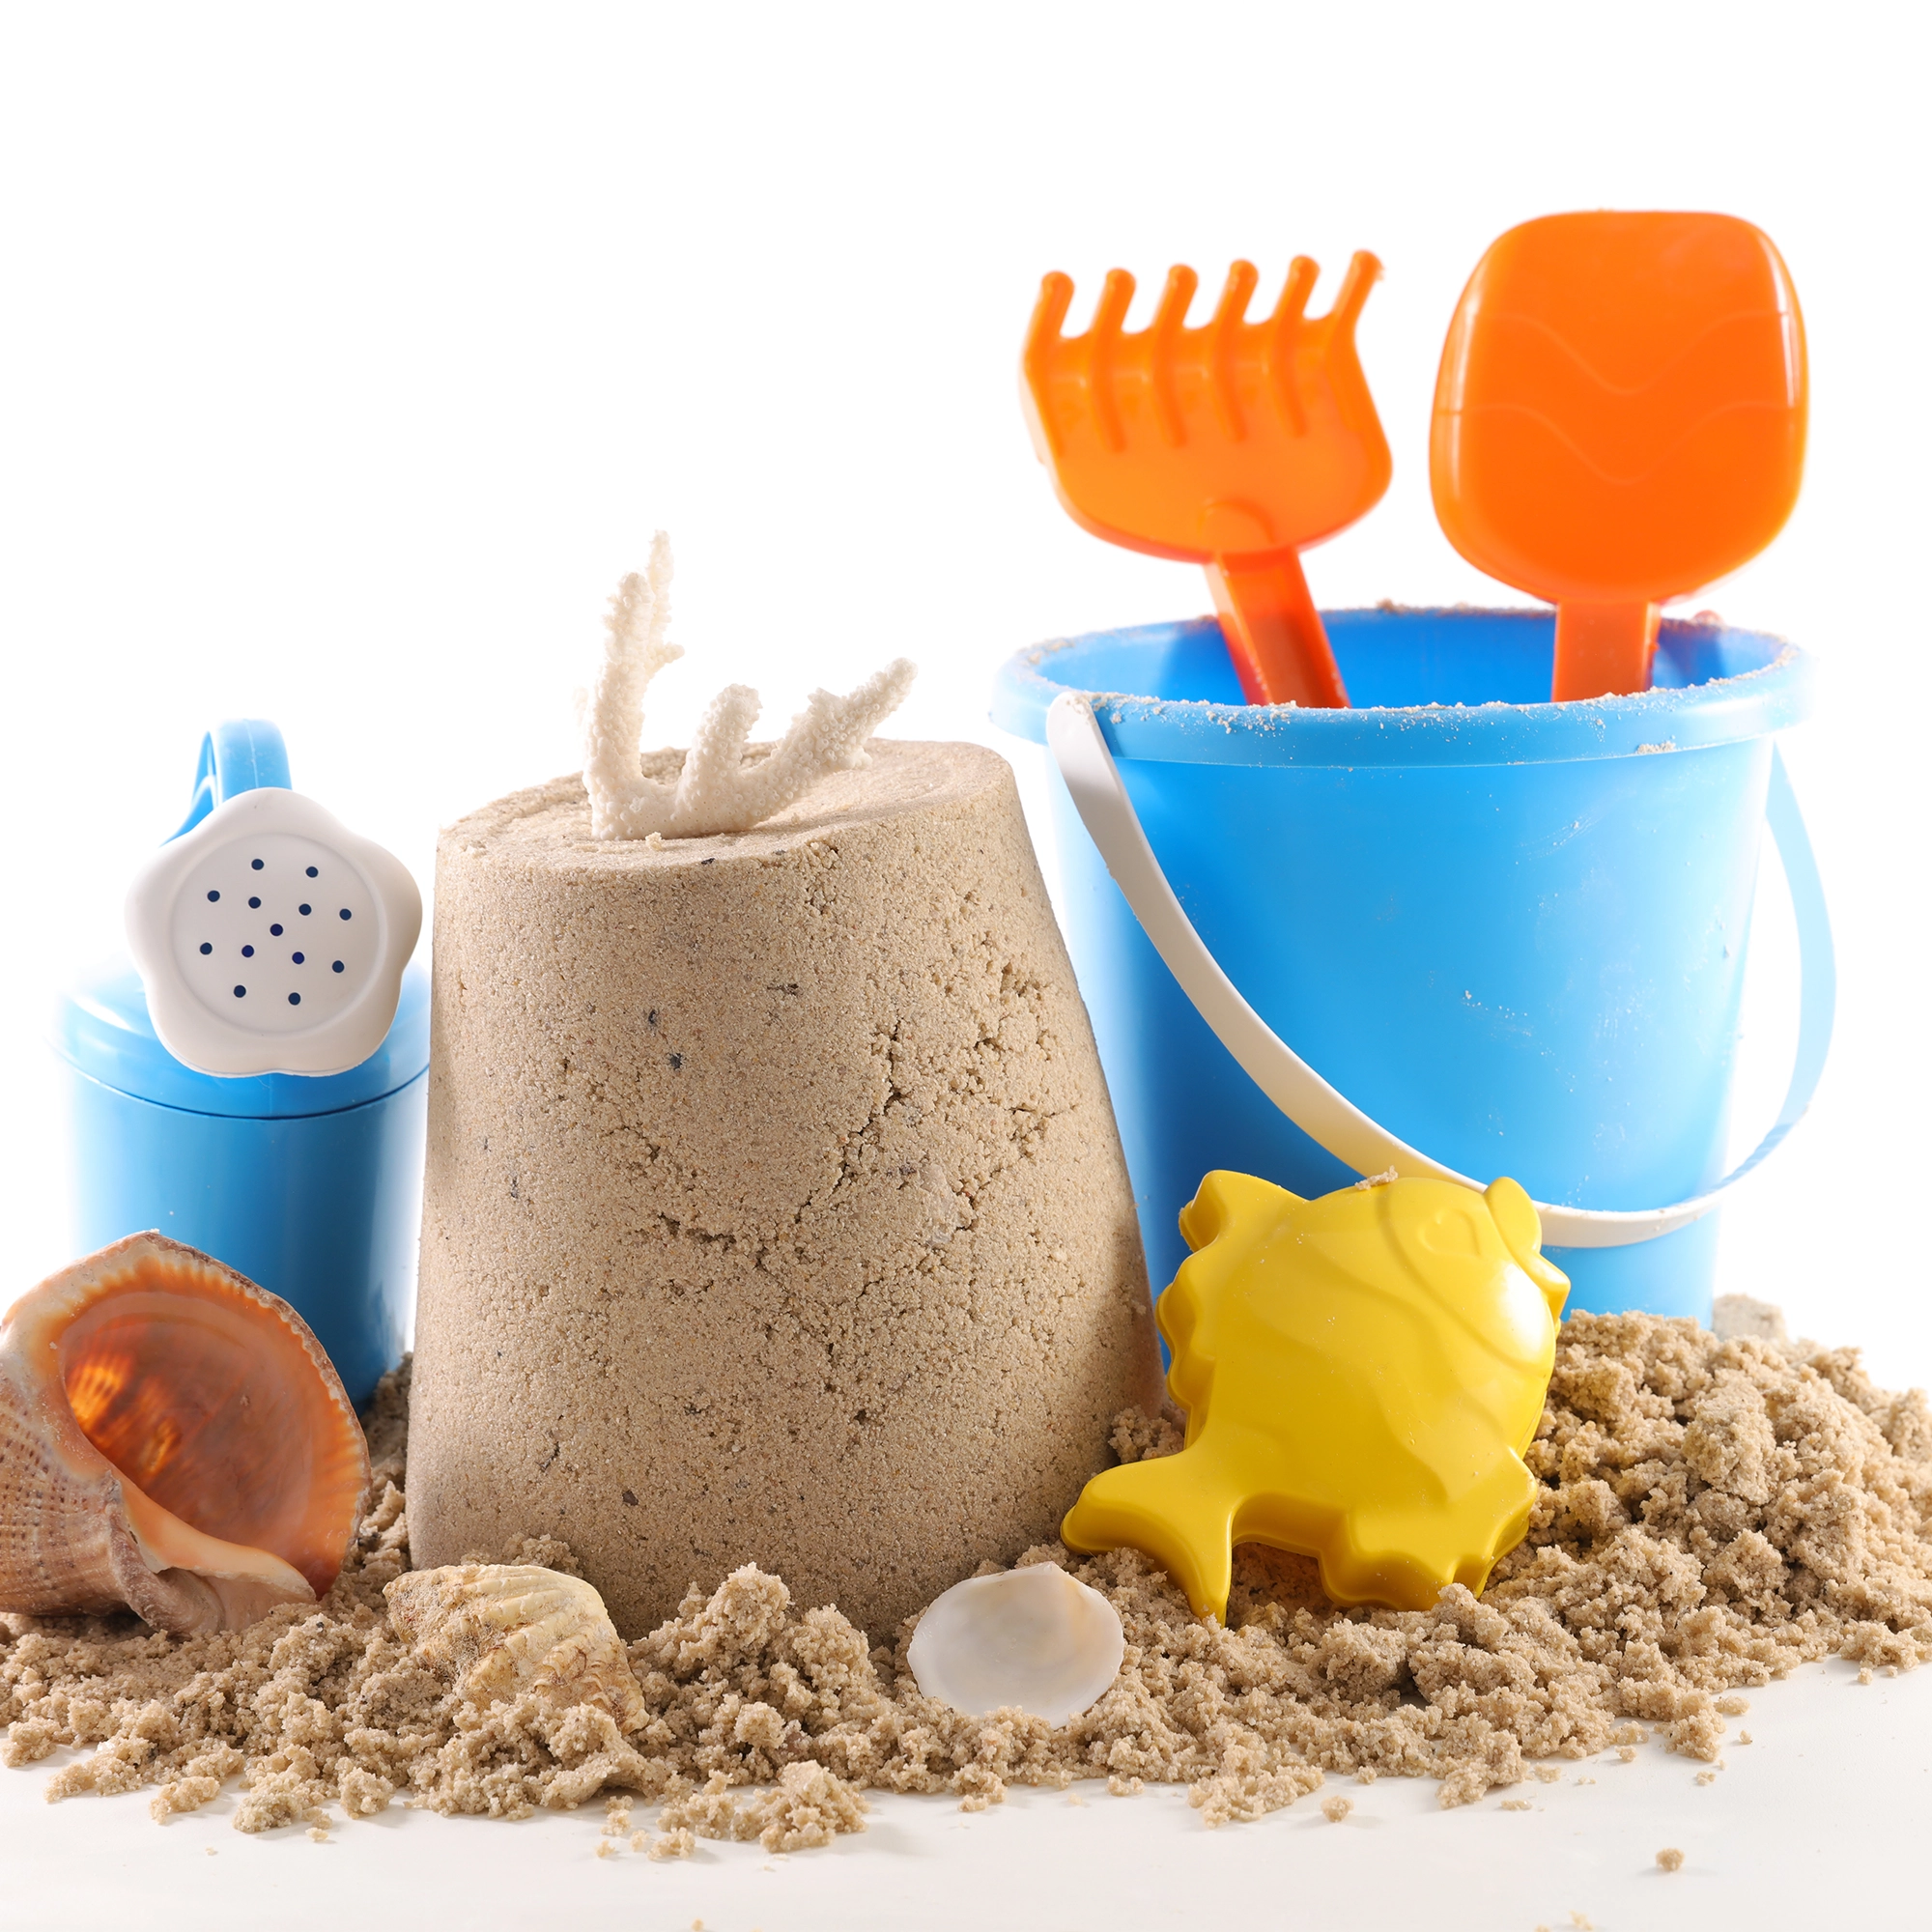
(1274, 632)
(1603, 649)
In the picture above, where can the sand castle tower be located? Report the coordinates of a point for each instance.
(775, 1210)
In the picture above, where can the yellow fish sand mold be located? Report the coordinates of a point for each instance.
(1361, 1375)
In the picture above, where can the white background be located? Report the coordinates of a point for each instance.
(349, 355)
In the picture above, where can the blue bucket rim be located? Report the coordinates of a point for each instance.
(1751, 703)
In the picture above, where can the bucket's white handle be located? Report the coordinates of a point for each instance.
(1085, 763)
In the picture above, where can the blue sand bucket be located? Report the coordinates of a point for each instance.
(1457, 930)
(309, 1185)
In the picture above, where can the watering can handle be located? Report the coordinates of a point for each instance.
(1079, 749)
(240, 755)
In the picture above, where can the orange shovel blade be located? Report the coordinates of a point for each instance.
(1619, 419)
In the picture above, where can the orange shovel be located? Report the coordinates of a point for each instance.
(1619, 419)
(1234, 445)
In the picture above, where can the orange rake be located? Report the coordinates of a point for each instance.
(1236, 445)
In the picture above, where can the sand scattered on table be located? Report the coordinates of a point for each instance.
(1714, 1510)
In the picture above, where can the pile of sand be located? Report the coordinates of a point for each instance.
(1713, 1512)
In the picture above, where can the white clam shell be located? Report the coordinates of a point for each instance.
(1034, 1639)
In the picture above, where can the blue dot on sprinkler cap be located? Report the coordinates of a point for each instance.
(303, 910)
(311, 872)
(213, 897)
(239, 990)
(206, 948)
(345, 912)
(338, 966)
(295, 998)
(254, 905)
(247, 953)
(297, 958)
(256, 863)
(275, 930)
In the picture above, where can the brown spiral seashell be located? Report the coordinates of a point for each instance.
(172, 1438)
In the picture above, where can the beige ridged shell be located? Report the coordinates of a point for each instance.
(172, 1439)
(493, 1631)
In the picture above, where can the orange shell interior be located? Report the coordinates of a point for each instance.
(212, 1398)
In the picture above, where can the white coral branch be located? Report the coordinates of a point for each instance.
(717, 790)
(634, 651)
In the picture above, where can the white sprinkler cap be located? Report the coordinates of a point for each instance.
(272, 939)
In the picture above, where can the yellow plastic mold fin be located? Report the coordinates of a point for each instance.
(1361, 1375)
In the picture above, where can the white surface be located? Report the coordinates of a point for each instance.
(1820, 1818)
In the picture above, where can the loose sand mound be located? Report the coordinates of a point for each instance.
(1713, 1512)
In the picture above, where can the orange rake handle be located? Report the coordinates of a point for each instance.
(1276, 635)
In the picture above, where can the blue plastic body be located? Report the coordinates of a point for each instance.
(310, 1186)
(1512, 932)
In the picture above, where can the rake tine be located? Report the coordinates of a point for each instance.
(1285, 325)
(1363, 273)
(1042, 342)
(1165, 332)
(1284, 448)
(1116, 292)
(1236, 294)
